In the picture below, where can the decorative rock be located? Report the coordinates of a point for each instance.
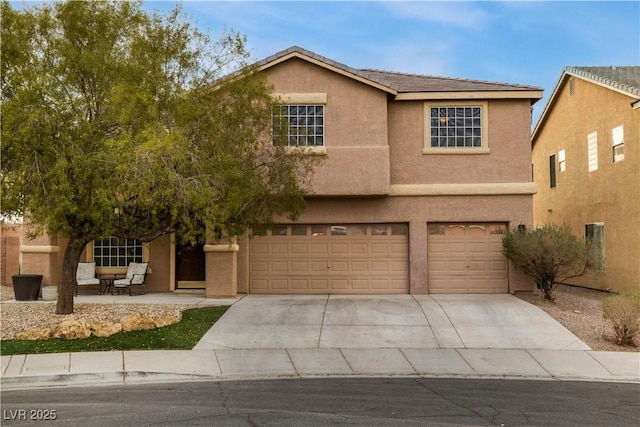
(34, 334)
(72, 329)
(104, 329)
(136, 322)
(164, 320)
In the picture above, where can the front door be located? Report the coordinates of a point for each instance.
(190, 267)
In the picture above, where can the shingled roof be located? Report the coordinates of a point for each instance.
(401, 82)
(622, 79)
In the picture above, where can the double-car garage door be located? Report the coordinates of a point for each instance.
(335, 259)
(374, 259)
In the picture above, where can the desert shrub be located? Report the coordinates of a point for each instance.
(550, 254)
(623, 310)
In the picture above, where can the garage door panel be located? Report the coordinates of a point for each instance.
(359, 266)
(319, 248)
(368, 261)
(299, 266)
(339, 248)
(299, 248)
(259, 248)
(299, 284)
(466, 258)
(339, 284)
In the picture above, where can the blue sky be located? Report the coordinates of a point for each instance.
(515, 42)
(508, 41)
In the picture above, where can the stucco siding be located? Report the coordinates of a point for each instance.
(508, 159)
(608, 195)
(356, 137)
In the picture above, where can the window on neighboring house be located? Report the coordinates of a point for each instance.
(562, 161)
(592, 149)
(456, 127)
(299, 125)
(552, 171)
(595, 232)
(117, 252)
(617, 141)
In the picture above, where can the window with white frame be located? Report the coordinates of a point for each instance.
(562, 161)
(595, 233)
(299, 125)
(117, 252)
(617, 142)
(592, 150)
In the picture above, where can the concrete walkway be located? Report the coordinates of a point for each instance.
(262, 336)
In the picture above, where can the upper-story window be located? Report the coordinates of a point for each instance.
(456, 128)
(562, 161)
(300, 125)
(117, 252)
(617, 142)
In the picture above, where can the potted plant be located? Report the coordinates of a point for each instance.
(26, 287)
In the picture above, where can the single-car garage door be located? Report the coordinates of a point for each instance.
(466, 258)
(334, 259)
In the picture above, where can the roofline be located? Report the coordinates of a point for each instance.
(336, 67)
(535, 95)
(574, 72)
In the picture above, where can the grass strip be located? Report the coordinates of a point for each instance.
(183, 335)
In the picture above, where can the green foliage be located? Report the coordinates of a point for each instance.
(623, 311)
(550, 254)
(116, 122)
(183, 335)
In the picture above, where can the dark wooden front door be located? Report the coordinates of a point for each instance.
(190, 267)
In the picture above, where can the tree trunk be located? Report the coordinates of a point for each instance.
(69, 267)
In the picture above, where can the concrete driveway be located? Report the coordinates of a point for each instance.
(380, 321)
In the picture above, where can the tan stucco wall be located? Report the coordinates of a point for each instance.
(508, 160)
(357, 159)
(610, 195)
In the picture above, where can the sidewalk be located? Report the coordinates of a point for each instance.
(134, 367)
(266, 337)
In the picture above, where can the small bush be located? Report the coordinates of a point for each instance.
(624, 312)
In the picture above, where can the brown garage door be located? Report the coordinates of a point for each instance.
(335, 259)
(467, 258)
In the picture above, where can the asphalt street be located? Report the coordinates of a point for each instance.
(331, 401)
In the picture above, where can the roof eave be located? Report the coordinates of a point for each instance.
(278, 59)
(534, 95)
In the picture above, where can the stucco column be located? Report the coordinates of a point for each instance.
(222, 270)
(42, 256)
(418, 256)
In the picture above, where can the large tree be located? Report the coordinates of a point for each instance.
(116, 122)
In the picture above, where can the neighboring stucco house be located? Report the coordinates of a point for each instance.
(586, 157)
(422, 177)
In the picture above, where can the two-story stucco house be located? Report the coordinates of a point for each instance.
(422, 177)
(586, 156)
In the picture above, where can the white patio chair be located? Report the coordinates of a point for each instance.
(136, 275)
(86, 275)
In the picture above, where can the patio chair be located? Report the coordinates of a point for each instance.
(86, 275)
(136, 275)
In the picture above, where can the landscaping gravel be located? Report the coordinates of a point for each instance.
(18, 316)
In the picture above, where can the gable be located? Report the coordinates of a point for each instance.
(622, 80)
